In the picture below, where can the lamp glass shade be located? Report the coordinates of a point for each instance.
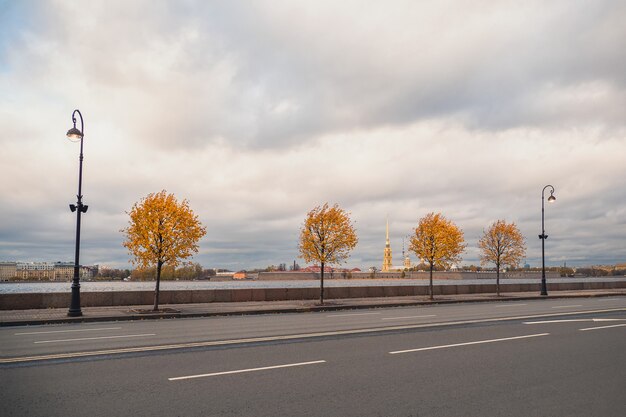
(551, 199)
(74, 133)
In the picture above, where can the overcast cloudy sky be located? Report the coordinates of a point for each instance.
(257, 111)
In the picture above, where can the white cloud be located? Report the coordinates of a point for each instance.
(256, 112)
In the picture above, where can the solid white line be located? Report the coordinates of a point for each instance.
(578, 305)
(291, 337)
(95, 338)
(469, 343)
(349, 315)
(602, 327)
(510, 305)
(408, 317)
(67, 331)
(289, 365)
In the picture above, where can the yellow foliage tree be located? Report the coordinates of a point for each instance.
(438, 241)
(503, 245)
(162, 231)
(327, 237)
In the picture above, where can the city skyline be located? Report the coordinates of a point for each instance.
(256, 112)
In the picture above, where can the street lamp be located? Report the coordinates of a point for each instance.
(543, 237)
(75, 135)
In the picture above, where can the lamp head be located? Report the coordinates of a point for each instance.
(552, 198)
(74, 134)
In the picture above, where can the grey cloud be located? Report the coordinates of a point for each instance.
(258, 112)
(267, 76)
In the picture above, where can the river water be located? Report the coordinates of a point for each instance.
(95, 286)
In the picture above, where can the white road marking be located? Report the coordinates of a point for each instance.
(602, 327)
(608, 319)
(94, 338)
(289, 365)
(349, 315)
(290, 337)
(578, 305)
(510, 305)
(569, 321)
(555, 321)
(67, 331)
(469, 343)
(408, 317)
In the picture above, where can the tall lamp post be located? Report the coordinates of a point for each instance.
(543, 237)
(75, 135)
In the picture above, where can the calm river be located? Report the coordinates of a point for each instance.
(93, 286)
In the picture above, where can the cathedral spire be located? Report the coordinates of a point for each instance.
(387, 254)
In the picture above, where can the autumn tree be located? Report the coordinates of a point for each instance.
(503, 245)
(438, 241)
(162, 231)
(327, 237)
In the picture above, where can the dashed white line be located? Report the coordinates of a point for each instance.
(239, 371)
(577, 305)
(569, 321)
(509, 305)
(408, 317)
(469, 343)
(352, 314)
(68, 331)
(602, 327)
(289, 337)
(556, 321)
(94, 338)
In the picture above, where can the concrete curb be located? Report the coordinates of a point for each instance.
(298, 309)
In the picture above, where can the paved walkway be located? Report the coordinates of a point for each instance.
(118, 313)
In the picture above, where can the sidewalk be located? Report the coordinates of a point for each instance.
(120, 313)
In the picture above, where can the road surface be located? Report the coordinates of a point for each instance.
(526, 358)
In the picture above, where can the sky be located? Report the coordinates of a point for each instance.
(258, 111)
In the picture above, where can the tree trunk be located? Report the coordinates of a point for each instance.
(158, 282)
(498, 279)
(322, 285)
(430, 285)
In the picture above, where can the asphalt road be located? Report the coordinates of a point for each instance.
(530, 358)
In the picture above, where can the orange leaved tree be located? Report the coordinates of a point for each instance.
(438, 241)
(503, 245)
(162, 231)
(327, 237)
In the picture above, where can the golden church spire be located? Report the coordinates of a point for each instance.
(387, 255)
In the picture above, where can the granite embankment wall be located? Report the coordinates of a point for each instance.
(124, 298)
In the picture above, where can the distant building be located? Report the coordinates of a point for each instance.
(240, 275)
(63, 271)
(38, 271)
(8, 270)
(43, 271)
(387, 259)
